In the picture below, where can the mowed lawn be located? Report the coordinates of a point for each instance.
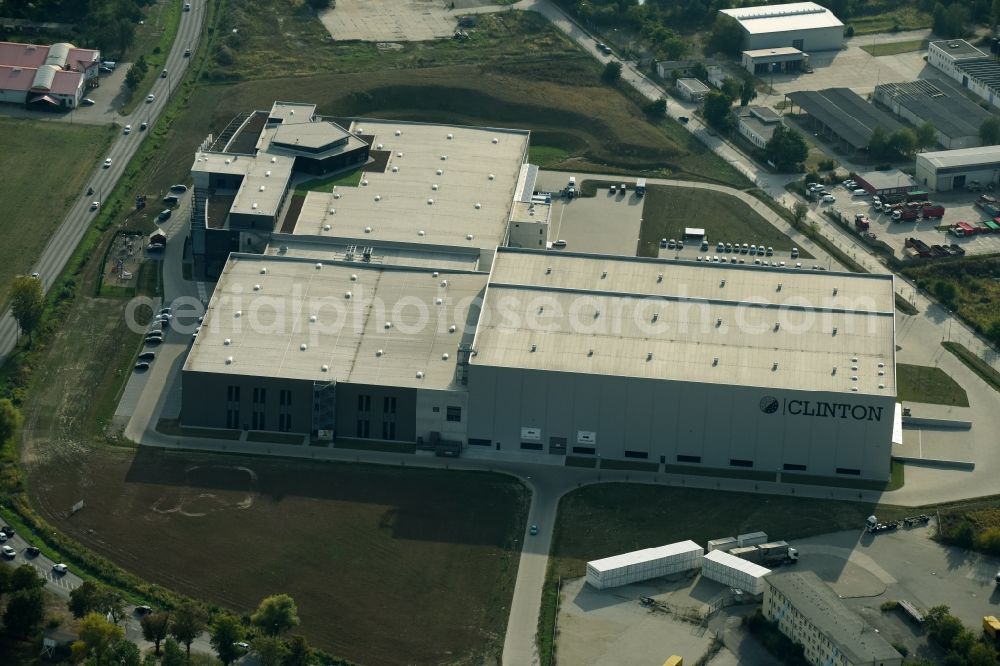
(668, 210)
(923, 383)
(45, 167)
(387, 565)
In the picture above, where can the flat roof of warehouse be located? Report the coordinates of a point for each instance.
(939, 102)
(687, 321)
(444, 185)
(273, 316)
(783, 18)
(847, 114)
(959, 49)
(943, 159)
(645, 555)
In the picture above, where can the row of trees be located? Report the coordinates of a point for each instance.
(108, 25)
(963, 647)
(901, 143)
(100, 608)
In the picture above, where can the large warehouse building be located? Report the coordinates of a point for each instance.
(424, 322)
(841, 115)
(955, 169)
(805, 26)
(972, 68)
(955, 117)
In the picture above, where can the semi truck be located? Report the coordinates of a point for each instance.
(874, 526)
(904, 214)
(933, 212)
(861, 223)
(640, 187)
(767, 554)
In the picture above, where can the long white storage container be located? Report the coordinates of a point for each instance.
(752, 539)
(734, 572)
(644, 564)
(725, 543)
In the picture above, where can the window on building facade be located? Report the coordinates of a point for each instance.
(454, 414)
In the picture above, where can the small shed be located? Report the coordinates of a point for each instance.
(692, 90)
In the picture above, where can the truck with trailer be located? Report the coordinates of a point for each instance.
(861, 223)
(770, 554)
(963, 229)
(873, 526)
(640, 187)
(904, 214)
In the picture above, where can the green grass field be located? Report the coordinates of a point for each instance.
(153, 40)
(46, 165)
(985, 371)
(895, 48)
(605, 519)
(921, 383)
(897, 17)
(349, 179)
(667, 210)
(976, 284)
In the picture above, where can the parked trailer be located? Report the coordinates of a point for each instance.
(768, 554)
(644, 564)
(933, 212)
(873, 526)
(911, 611)
(992, 225)
(904, 215)
(724, 544)
(751, 538)
(731, 571)
(912, 521)
(916, 195)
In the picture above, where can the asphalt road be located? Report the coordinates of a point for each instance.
(77, 221)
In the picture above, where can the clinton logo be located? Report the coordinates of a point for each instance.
(769, 404)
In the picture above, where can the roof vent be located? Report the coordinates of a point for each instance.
(379, 352)
(854, 359)
(388, 324)
(237, 313)
(261, 189)
(325, 368)
(854, 389)
(478, 205)
(722, 283)
(656, 315)
(438, 301)
(452, 329)
(881, 365)
(354, 277)
(228, 161)
(263, 271)
(492, 176)
(777, 325)
(312, 318)
(421, 232)
(368, 230)
(649, 356)
(254, 205)
(534, 347)
(881, 386)
(439, 172)
(434, 187)
(303, 346)
(434, 274)
(468, 236)
(430, 202)
(854, 367)
(659, 278)
(444, 356)
(326, 227)
(881, 373)
(451, 136)
(548, 270)
(444, 157)
(399, 154)
(590, 352)
(834, 370)
(395, 169)
(227, 342)
(378, 197)
(364, 182)
(378, 147)
(496, 140)
(834, 291)
(420, 375)
(336, 195)
(718, 322)
(854, 378)
(229, 360)
(318, 265)
(347, 294)
(267, 174)
(774, 366)
(360, 130)
(256, 287)
(444, 283)
(715, 360)
(779, 287)
(604, 274)
(597, 313)
(835, 330)
(398, 132)
(274, 160)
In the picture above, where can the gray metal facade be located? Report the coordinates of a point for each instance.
(833, 434)
(810, 40)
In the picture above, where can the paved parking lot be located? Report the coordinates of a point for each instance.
(958, 208)
(603, 224)
(390, 20)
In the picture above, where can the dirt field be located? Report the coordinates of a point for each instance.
(388, 566)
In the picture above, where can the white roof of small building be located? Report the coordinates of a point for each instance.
(694, 85)
(689, 321)
(273, 316)
(783, 18)
(467, 204)
(970, 157)
(959, 49)
(733, 562)
(777, 51)
(644, 555)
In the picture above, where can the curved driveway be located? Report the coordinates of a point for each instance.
(77, 221)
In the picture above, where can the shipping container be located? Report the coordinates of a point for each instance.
(644, 564)
(751, 538)
(724, 544)
(731, 571)
(933, 212)
(992, 226)
(916, 195)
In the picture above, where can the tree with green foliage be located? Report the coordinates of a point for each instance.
(25, 578)
(925, 135)
(942, 626)
(318, 4)
(612, 72)
(748, 91)
(945, 291)
(951, 21)
(173, 655)
(726, 37)
(27, 301)
(96, 597)
(989, 131)
(275, 615)
(121, 652)
(269, 650)
(718, 110)
(799, 212)
(95, 636)
(299, 653)
(995, 12)
(186, 622)
(10, 420)
(25, 612)
(786, 149)
(657, 108)
(731, 87)
(226, 631)
(903, 141)
(155, 628)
